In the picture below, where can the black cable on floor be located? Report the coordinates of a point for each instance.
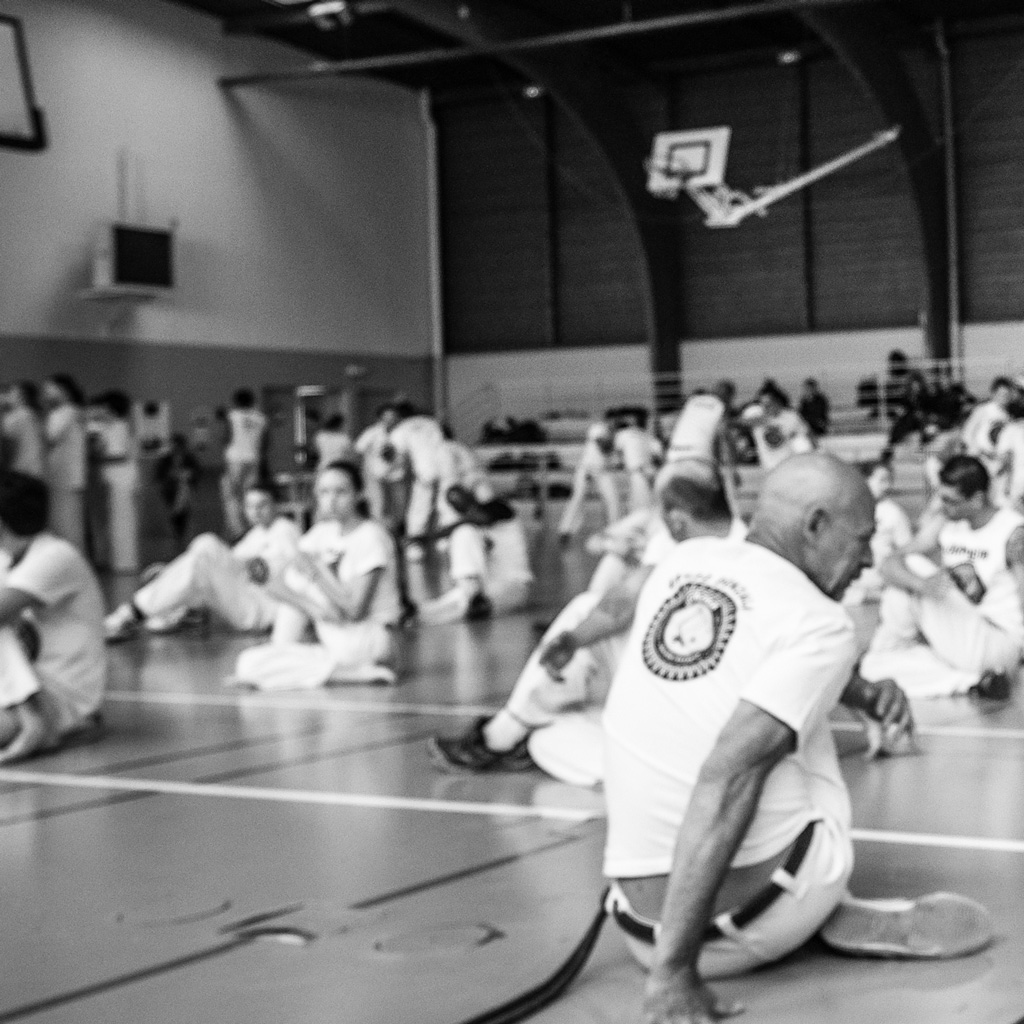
(544, 994)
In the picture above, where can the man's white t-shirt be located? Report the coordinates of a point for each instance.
(421, 440)
(247, 429)
(72, 662)
(638, 449)
(332, 446)
(661, 544)
(65, 460)
(24, 436)
(276, 544)
(893, 530)
(717, 622)
(976, 559)
(355, 554)
(118, 443)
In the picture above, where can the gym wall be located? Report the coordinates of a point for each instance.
(827, 283)
(300, 211)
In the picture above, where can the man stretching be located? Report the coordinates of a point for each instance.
(552, 716)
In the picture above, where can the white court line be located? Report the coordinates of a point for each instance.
(261, 700)
(969, 732)
(302, 796)
(297, 796)
(947, 842)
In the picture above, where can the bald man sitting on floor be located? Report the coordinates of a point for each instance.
(728, 819)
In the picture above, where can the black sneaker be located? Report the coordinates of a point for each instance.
(470, 753)
(992, 686)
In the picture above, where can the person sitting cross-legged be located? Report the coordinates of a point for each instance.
(951, 618)
(211, 576)
(342, 583)
(53, 664)
(552, 716)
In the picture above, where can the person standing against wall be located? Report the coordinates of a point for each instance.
(65, 457)
(24, 447)
(119, 462)
(247, 439)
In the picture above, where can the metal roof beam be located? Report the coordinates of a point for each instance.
(506, 47)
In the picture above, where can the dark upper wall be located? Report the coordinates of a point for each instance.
(842, 255)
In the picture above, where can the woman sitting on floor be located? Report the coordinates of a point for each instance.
(343, 583)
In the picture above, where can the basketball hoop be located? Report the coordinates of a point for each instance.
(693, 161)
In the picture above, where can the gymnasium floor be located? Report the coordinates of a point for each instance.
(232, 857)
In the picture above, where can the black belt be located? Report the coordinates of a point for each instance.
(642, 929)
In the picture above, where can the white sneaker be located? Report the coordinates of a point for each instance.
(120, 625)
(938, 926)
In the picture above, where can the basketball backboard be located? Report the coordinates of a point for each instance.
(21, 122)
(695, 158)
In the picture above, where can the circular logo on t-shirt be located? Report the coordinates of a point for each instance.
(689, 633)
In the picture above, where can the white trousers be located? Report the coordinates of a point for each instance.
(19, 681)
(935, 647)
(237, 478)
(123, 524)
(420, 511)
(810, 900)
(641, 494)
(572, 517)
(467, 560)
(343, 653)
(567, 741)
(67, 515)
(209, 576)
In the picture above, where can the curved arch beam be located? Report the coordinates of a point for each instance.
(593, 89)
(864, 44)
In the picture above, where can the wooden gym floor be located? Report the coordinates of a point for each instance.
(231, 857)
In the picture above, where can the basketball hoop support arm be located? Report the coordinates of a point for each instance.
(728, 209)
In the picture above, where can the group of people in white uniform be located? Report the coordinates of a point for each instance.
(693, 679)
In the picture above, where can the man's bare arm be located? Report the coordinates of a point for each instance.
(894, 569)
(718, 816)
(611, 615)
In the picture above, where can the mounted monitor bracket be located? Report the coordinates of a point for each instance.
(694, 162)
(21, 122)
